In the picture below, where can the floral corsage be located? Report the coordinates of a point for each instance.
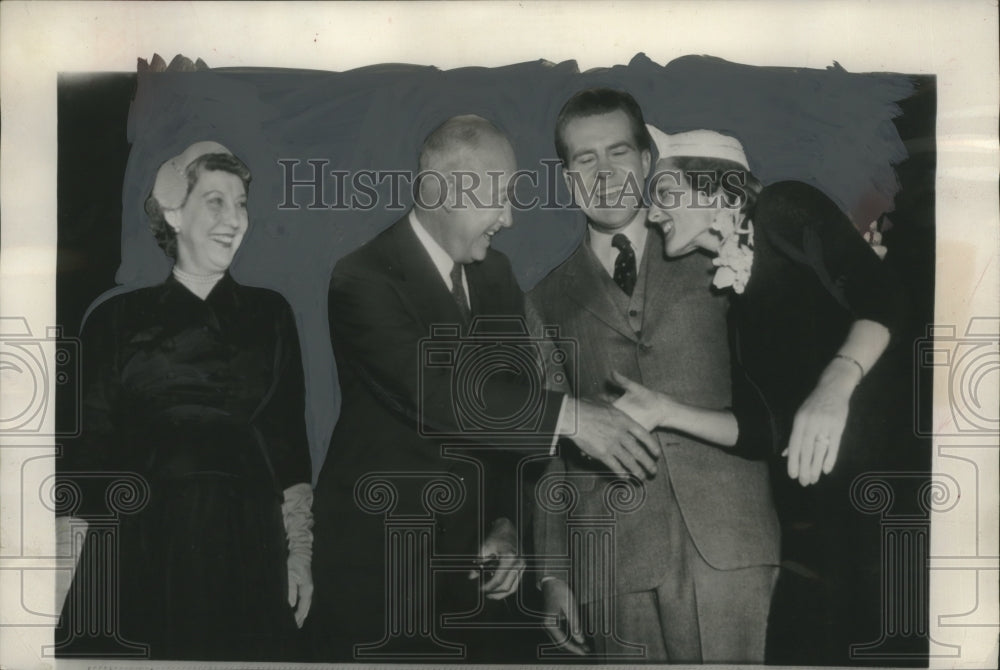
(734, 259)
(873, 236)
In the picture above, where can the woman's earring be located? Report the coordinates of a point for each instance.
(171, 216)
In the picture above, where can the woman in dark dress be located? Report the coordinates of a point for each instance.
(810, 316)
(193, 448)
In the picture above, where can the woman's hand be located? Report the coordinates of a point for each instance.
(819, 423)
(500, 548)
(300, 586)
(296, 511)
(648, 408)
(563, 623)
(653, 409)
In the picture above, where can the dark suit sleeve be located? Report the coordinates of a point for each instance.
(553, 361)
(377, 333)
(550, 529)
(808, 226)
(757, 437)
(87, 461)
(282, 419)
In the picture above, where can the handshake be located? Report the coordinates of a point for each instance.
(617, 434)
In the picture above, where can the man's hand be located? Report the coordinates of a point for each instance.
(500, 548)
(563, 622)
(610, 436)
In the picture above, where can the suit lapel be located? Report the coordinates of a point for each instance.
(421, 282)
(485, 291)
(585, 279)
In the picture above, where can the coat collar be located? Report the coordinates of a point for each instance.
(432, 301)
(180, 307)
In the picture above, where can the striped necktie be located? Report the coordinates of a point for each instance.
(458, 292)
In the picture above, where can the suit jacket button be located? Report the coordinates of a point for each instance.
(633, 312)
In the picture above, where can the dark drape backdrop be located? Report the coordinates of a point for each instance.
(843, 132)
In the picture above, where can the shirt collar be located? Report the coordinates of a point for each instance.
(600, 242)
(442, 261)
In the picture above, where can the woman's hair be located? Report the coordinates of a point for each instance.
(717, 176)
(165, 236)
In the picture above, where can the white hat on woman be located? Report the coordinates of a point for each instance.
(698, 144)
(171, 185)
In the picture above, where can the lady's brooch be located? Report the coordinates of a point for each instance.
(873, 236)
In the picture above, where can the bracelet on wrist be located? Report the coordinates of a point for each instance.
(858, 365)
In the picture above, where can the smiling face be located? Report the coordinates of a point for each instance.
(211, 223)
(605, 169)
(686, 215)
(477, 206)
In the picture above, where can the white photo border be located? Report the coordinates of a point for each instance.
(955, 41)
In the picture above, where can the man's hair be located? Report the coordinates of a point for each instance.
(595, 101)
(444, 148)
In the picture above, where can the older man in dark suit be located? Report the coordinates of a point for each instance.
(685, 570)
(403, 454)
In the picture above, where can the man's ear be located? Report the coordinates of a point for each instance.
(448, 193)
(647, 159)
(173, 218)
(434, 191)
(567, 179)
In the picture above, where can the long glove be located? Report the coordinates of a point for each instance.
(64, 548)
(297, 513)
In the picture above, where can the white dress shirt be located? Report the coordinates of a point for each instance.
(442, 261)
(600, 243)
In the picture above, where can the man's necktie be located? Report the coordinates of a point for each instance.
(458, 292)
(624, 264)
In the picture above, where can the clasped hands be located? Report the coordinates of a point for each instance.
(617, 433)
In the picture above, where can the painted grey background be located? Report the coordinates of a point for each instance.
(831, 128)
